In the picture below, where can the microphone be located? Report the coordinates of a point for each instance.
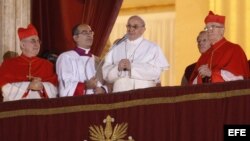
(120, 40)
(116, 43)
(205, 79)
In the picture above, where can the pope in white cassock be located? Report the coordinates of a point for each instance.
(135, 62)
(76, 69)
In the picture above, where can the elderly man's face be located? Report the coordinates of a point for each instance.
(215, 31)
(135, 28)
(203, 42)
(30, 46)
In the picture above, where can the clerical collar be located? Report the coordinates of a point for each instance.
(136, 41)
(82, 51)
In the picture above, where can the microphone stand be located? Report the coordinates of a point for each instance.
(111, 48)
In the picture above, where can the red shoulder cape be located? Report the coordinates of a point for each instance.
(17, 69)
(223, 55)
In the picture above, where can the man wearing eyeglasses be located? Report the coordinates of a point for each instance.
(224, 61)
(27, 76)
(76, 68)
(134, 62)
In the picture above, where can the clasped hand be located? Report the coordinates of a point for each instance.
(124, 64)
(204, 71)
(36, 84)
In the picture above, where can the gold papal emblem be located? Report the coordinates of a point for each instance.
(98, 133)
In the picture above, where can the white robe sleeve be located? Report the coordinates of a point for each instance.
(228, 76)
(50, 89)
(16, 91)
(110, 72)
(110, 69)
(65, 72)
(150, 70)
(144, 71)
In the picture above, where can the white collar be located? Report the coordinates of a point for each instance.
(86, 49)
(136, 41)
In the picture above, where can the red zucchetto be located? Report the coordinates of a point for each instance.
(26, 32)
(211, 17)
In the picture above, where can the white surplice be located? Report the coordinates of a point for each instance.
(72, 68)
(147, 63)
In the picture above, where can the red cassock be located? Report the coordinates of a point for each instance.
(223, 55)
(19, 69)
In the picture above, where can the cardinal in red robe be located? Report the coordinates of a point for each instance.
(224, 61)
(27, 76)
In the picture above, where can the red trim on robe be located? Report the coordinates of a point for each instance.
(80, 89)
(42, 93)
(26, 94)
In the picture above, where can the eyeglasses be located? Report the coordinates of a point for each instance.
(34, 41)
(86, 32)
(212, 27)
(133, 26)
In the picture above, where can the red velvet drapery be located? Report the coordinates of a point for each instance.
(54, 20)
(176, 113)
